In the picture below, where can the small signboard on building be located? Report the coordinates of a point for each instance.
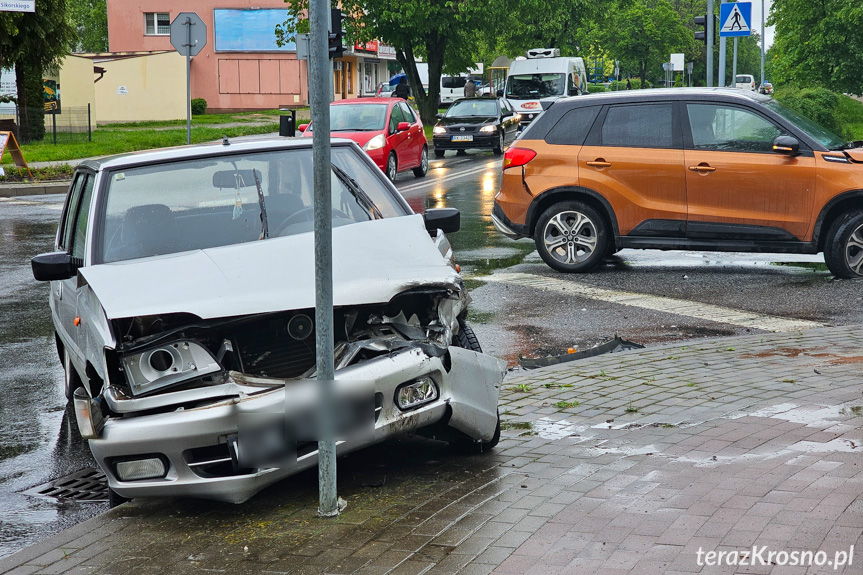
(51, 95)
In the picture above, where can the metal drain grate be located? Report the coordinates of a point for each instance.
(86, 485)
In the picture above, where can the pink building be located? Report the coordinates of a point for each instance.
(241, 67)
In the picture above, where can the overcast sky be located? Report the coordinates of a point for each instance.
(756, 20)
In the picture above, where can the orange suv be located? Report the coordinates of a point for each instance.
(696, 169)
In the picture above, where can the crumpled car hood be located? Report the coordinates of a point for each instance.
(372, 262)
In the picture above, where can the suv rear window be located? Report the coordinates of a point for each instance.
(639, 126)
(572, 128)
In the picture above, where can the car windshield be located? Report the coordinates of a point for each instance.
(465, 108)
(535, 85)
(207, 202)
(357, 117)
(815, 131)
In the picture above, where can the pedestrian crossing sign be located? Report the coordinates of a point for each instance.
(735, 19)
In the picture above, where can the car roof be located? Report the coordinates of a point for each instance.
(201, 150)
(374, 100)
(624, 96)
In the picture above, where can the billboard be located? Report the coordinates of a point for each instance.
(239, 30)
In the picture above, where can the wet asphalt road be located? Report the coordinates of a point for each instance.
(39, 441)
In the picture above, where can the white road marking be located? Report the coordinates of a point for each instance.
(687, 308)
(448, 178)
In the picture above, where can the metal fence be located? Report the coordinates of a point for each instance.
(71, 124)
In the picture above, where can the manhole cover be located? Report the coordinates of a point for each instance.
(87, 485)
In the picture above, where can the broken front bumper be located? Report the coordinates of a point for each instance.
(193, 443)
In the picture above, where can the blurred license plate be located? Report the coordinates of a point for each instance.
(462, 138)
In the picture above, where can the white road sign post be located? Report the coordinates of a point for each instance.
(188, 37)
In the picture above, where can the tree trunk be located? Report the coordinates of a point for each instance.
(427, 102)
(31, 102)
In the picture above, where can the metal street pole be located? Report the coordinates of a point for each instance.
(188, 24)
(734, 65)
(763, 37)
(722, 64)
(320, 78)
(710, 22)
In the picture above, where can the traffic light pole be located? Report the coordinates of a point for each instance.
(722, 51)
(709, 27)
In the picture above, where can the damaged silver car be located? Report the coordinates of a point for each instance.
(183, 295)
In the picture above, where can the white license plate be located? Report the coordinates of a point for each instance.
(462, 138)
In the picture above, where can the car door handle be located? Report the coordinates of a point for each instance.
(599, 163)
(702, 168)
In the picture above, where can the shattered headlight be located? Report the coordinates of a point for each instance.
(416, 393)
(166, 365)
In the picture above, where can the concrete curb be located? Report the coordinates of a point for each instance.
(14, 190)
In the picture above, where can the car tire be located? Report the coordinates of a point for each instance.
(439, 153)
(571, 237)
(466, 337)
(71, 379)
(498, 150)
(843, 251)
(423, 168)
(392, 167)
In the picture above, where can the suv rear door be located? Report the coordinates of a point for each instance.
(737, 187)
(633, 157)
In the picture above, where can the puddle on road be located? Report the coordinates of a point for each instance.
(832, 416)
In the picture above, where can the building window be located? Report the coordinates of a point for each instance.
(157, 23)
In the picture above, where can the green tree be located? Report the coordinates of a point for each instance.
(34, 42)
(816, 43)
(442, 33)
(643, 33)
(89, 18)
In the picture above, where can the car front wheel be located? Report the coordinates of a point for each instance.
(498, 149)
(571, 237)
(423, 168)
(392, 167)
(439, 153)
(843, 251)
(71, 379)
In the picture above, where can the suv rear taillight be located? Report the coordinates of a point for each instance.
(515, 157)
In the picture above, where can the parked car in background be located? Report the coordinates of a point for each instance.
(685, 168)
(744, 82)
(766, 88)
(183, 294)
(487, 123)
(385, 90)
(387, 129)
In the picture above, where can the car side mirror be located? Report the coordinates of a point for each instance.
(508, 113)
(446, 219)
(787, 145)
(53, 266)
(439, 116)
(303, 127)
(499, 93)
(402, 126)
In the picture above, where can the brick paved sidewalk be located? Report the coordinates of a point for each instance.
(623, 463)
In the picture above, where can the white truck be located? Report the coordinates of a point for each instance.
(540, 78)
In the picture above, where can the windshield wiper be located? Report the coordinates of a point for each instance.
(358, 192)
(265, 229)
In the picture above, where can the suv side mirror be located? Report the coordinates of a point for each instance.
(52, 266)
(786, 145)
(446, 219)
(439, 116)
(303, 127)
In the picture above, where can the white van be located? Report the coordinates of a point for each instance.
(542, 77)
(744, 82)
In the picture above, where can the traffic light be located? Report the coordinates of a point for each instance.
(336, 36)
(701, 22)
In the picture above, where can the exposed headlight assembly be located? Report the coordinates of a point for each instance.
(166, 365)
(416, 393)
(375, 143)
(487, 129)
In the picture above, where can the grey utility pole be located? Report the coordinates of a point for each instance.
(734, 66)
(710, 21)
(763, 38)
(320, 74)
(722, 64)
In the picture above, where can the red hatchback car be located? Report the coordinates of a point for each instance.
(387, 129)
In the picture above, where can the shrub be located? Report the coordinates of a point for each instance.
(596, 89)
(817, 104)
(634, 82)
(199, 106)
